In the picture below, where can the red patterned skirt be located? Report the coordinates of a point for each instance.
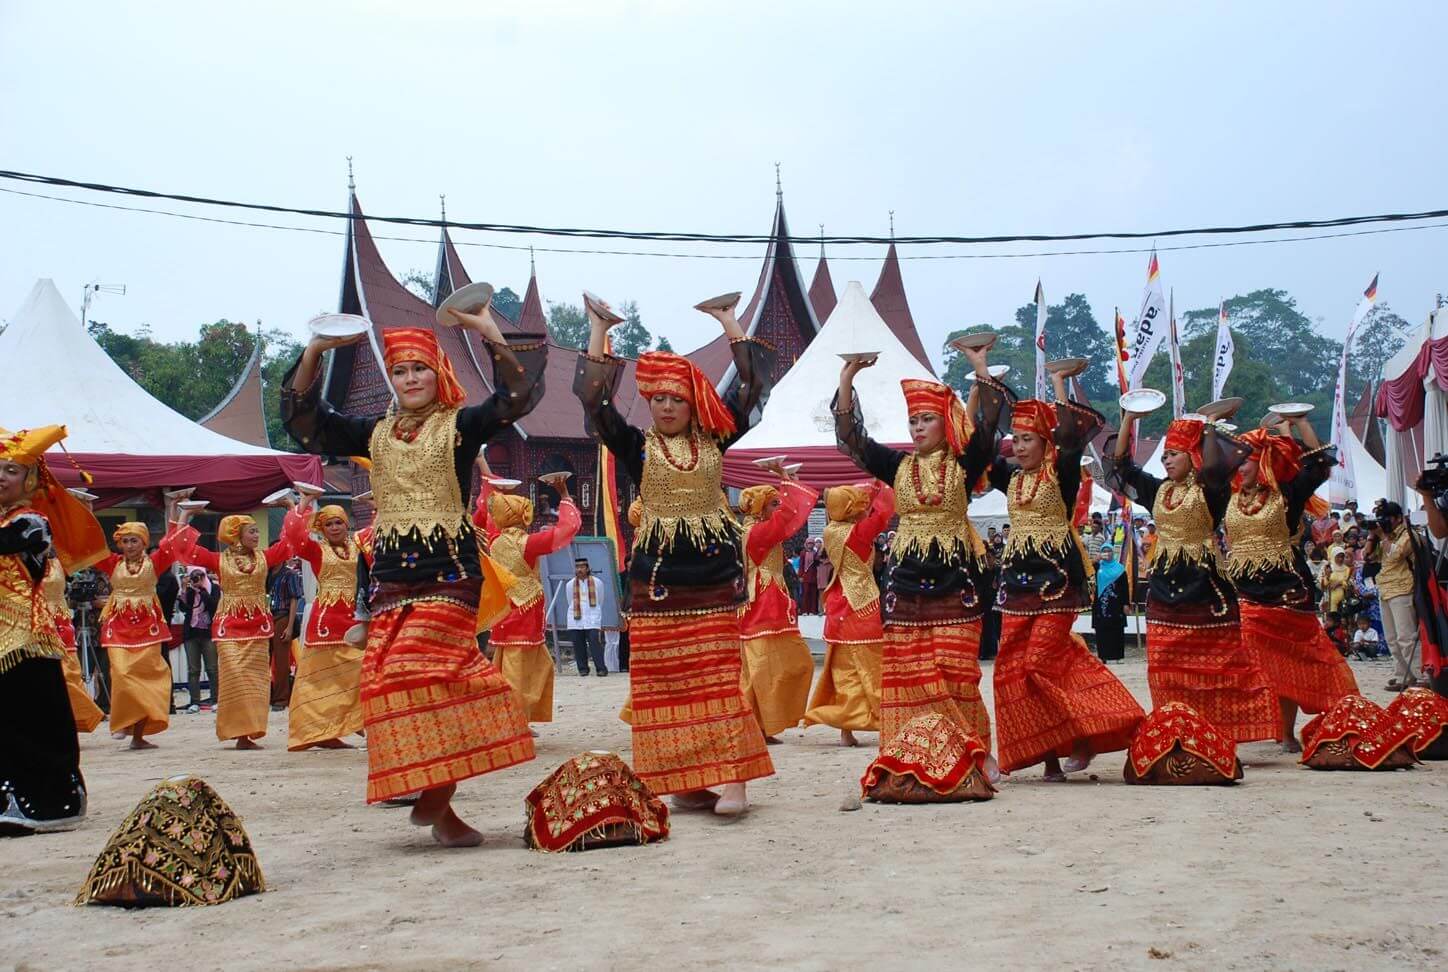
(1213, 672)
(1050, 691)
(932, 668)
(1300, 662)
(436, 711)
(692, 727)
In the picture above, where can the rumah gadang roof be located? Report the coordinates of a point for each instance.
(889, 299)
(240, 414)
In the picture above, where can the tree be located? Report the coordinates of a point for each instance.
(664, 344)
(190, 378)
(279, 352)
(1381, 335)
(421, 283)
(568, 326)
(631, 337)
(508, 304)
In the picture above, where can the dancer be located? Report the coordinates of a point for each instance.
(936, 579)
(777, 663)
(847, 696)
(1053, 698)
(435, 710)
(519, 651)
(242, 628)
(325, 705)
(87, 714)
(41, 787)
(692, 728)
(1194, 648)
(1275, 590)
(133, 628)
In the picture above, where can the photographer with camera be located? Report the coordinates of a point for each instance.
(1395, 591)
(1433, 487)
(197, 602)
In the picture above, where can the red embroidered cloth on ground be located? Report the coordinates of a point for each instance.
(1176, 724)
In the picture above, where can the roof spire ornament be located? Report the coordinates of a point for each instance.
(532, 267)
(351, 183)
(778, 186)
(442, 204)
(822, 240)
(892, 224)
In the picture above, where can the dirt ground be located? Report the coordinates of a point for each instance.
(1293, 869)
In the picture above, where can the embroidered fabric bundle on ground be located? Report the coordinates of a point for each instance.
(593, 800)
(1175, 746)
(1357, 734)
(930, 760)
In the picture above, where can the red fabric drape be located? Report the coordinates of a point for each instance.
(824, 466)
(233, 484)
(1400, 400)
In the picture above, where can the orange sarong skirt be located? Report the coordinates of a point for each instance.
(847, 695)
(436, 710)
(326, 701)
(1300, 662)
(1050, 691)
(692, 727)
(775, 673)
(932, 668)
(246, 674)
(140, 690)
(87, 714)
(1213, 672)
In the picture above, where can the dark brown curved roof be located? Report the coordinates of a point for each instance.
(240, 414)
(889, 300)
(822, 290)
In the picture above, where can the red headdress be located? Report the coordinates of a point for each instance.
(923, 396)
(1278, 457)
(1185, 435)
(1033, 415)
(672, 374)
(420, 344)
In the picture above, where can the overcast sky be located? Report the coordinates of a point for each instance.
(981, 118)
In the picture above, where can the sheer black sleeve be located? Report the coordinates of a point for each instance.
(1126, 477)
(518, 368)
(1000, 472)
(1076, 425)
(878, 460)
(749, 391)
(28, 535)
(1222, 456)
(992, 401)
(595, 382)
(316, 426)
(1316, 468)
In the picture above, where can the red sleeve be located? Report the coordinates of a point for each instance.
(862, 537)
(555, 538)
(278, 552)
(482, 519)
(107, 565)
(795, 502)
(296, 534)
(185, 549)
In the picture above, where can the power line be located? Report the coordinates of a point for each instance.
(735, 256)
(673, 236)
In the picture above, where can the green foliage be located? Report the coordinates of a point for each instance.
(1071, 331)
(664, 344)
(568, 326)
(507, 303)
(279, 351)
(631, 338)
(189, 377)
(420, 282)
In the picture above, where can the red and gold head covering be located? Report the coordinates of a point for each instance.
(75, 533)
(1185, 435)
(846, 504)
(229, 532)
(753, 500)
(663, 372)
(923, 396)
(420, 344)
(509, 510)
(1278, 457)
(327, 513)
(132, 528)
(1034, 415)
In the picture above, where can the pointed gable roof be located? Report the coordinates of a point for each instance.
(240, 414)
(822, 289)
(889, 299)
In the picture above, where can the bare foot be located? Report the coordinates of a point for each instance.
(1291, 745)
(992, 769)
(245, 742)
(1080, 758)
(847, 738)
(772, 740)
(122, 734)
(432, 805)
(1053, 772)
(732, 801)
(139, 743)
(450, 831)
(333, 744)
(695, 800)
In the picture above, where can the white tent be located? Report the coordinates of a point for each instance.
(130, 441)
(1372, 478)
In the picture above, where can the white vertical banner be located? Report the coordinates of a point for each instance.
(1226, 353)
(1342, 484)
(1040, 342)
(1178, 376)
(1151, 326)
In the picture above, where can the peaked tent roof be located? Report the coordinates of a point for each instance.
(889, 299)
(240, 415)
(822, 290)
(1364, 422)
(127, 439)
(797, 419)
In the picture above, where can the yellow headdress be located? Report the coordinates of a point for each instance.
(754, 499)
(510, 510)
(330, 512)
(75, 533)
(846, 504)
(132, 528)
(229, 532)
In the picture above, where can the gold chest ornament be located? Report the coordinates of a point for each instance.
(26, 628)
(681, 493)
(766, 573)
(1183, 524)
(135, 590)
(337, 580)
(852, 575)
(243, 584)
(1257, 537)
(932, 500)
(508, 549)
(415, 484)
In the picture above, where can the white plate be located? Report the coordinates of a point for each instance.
(1291, 409)
(996, 371)
(768, 461)
(1226, 426)
(179, 494)
(1195, 417)
(470, 300)
(85, 496)
(193, 504)
(976, 339)
(362, 497)
(1067, 366)
(271, 499)
(307, 489)
(338, 325)
(1087, 460)
(1221, 408)
(547, 478)
(722, 302)
(499, 483)
(794, 468)
(859, 355)
(1142, 401)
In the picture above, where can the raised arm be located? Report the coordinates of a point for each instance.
(518, 368)
(795, 501)
(549, 540)
(1119, 468)
(876, 519)
(990, 399)
(188, 550)
(850, 435)
(298, 535)
(310, 419)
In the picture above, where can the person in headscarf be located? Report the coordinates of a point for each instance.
(847, 695)
(777, 663)
(1108, 608)
(1278, 599)
(432, 588)
(133, 627)
(692, 728)
(936, 591)
(41, 786)
(1053, 698)
(517, 640)
(88, 715)
(243, 626)
(1335, 579)
(1195, 653)
(325, 702)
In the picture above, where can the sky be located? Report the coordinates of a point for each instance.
(962, 118)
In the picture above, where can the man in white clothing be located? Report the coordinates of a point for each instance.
(583, 606)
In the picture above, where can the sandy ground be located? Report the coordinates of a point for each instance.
(1293, 869)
